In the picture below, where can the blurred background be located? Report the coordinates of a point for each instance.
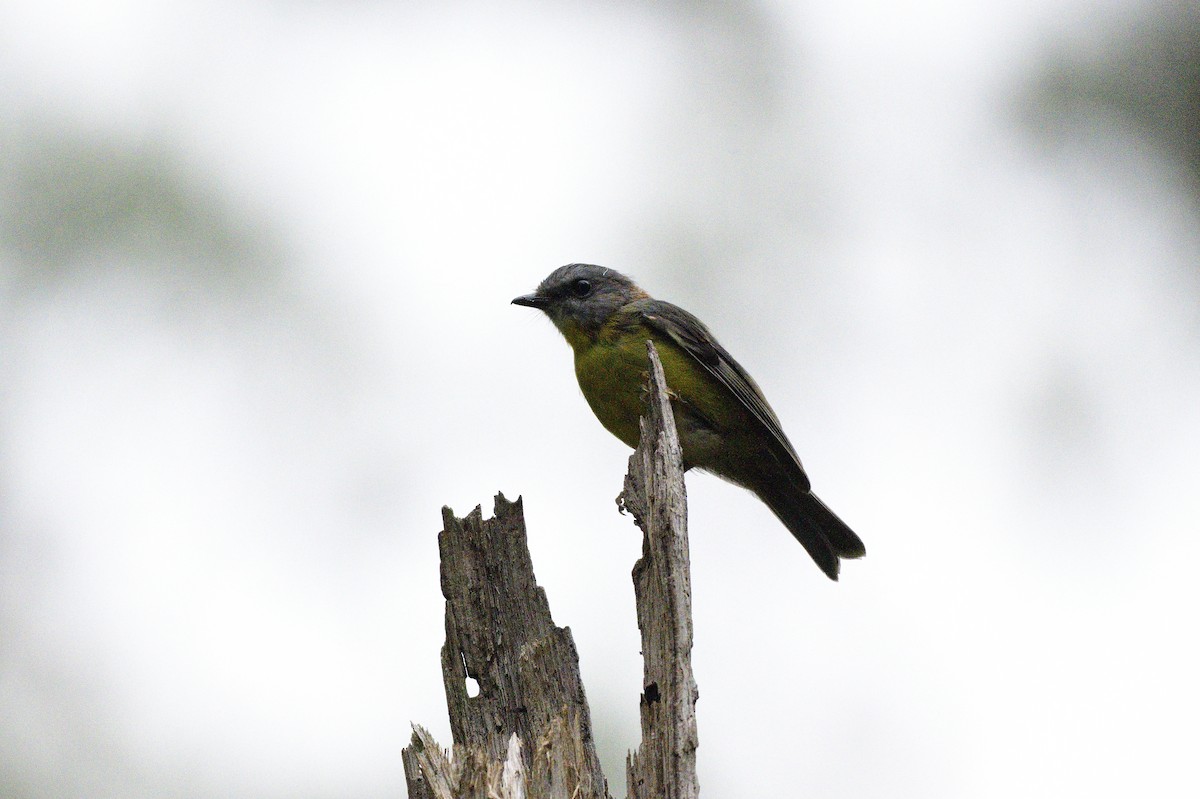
(255, 267)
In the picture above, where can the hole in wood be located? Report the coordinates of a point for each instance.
(472, 685)
(651, 693)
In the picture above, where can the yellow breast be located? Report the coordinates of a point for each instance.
(611, 375)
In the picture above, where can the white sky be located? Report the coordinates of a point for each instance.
(221, 577)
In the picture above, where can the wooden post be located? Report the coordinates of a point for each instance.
(528, 731)
(664, 767)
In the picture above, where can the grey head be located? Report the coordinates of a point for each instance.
(579, 298)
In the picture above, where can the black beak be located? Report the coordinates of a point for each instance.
(532, 301)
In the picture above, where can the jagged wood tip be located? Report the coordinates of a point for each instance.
(664, 766)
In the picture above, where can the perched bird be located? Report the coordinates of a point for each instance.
(725, 424)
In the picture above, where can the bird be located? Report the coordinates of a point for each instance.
(725, 425)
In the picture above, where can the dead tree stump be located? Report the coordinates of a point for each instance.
(527, 733)
(664, 767)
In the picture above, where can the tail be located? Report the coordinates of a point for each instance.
(826, 537)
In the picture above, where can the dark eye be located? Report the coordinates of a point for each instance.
(581, 288)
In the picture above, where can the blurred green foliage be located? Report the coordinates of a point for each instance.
(1144, 71)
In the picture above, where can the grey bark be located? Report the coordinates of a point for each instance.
(664, 767)
(529, 721)
(527, 734)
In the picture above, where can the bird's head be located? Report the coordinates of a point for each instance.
(580, 298)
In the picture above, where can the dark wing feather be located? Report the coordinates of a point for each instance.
(694, 338)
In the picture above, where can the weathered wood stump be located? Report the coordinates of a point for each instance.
(527, 732)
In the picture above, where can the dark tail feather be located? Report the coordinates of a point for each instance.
(826, 537)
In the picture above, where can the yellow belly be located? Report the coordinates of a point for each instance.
(612, 378)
